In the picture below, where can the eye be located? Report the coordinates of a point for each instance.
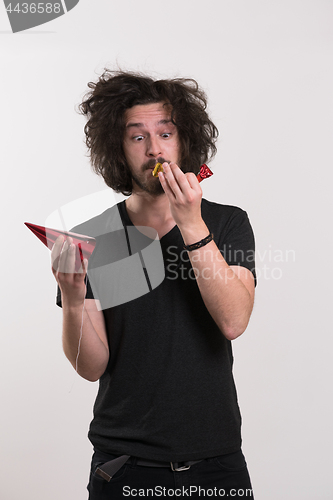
(138, 138)
(166, 135)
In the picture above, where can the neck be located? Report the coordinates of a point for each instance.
(146, 206)
(147, 210)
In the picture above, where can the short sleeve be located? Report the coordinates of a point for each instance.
(237, 243)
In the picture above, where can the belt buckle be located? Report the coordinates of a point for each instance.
(175, 468)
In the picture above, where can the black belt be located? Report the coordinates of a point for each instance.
(108, 470)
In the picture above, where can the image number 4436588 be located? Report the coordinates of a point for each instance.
(35, 8)
(25, 15)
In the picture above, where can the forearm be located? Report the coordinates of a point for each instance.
(227, 298)
(224, 294)
(85, 340)
(93, 354)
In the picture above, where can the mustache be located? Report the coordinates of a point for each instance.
(151, 163)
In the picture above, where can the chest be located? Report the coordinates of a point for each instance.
(161, 228)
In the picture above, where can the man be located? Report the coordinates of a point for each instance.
(167, 403)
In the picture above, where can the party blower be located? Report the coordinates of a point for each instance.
(84, 244)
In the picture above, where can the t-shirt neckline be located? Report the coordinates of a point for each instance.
(127, 221)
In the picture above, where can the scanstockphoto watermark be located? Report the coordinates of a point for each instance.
(271, 263)
(27, 14)
(267, 263)
(162, 491)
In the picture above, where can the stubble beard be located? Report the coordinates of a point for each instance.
(150, 185)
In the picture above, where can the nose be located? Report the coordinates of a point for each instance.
(153, 147)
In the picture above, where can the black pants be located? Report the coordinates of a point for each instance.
(225, 476)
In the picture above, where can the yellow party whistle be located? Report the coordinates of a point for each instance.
(158, 168)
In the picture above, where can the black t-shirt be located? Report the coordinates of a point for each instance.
(168, 391)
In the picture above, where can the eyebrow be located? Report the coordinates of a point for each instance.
(161, 122)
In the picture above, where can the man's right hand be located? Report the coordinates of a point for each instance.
(81, 318)
(71, 283)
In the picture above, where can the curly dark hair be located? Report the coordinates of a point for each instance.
(114, 93)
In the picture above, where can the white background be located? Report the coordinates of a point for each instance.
(267, 69)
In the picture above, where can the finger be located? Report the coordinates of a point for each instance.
(173, 176)
(83, 269)
(193, 182)
(185, 181)
(55, 252)
(67, 258)
(62, 257)
(166, 186)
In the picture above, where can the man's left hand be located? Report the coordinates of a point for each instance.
(184, 194)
